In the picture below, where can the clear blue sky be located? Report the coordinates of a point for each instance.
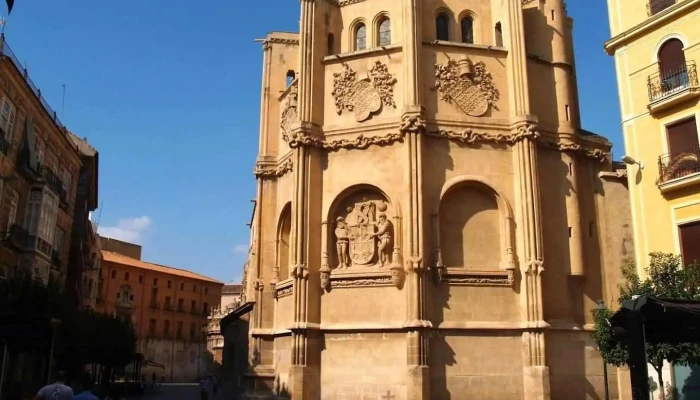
(168, 91)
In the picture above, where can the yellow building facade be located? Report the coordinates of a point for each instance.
(656, 49)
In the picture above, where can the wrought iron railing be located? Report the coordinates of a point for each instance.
(665, 83)
(678, 166)
(656, 6)
(7, 52)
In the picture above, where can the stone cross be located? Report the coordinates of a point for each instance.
(388, 396)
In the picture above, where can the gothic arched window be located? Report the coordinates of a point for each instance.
(385, 32)
(360, 37)
(442, 27)
(467, 30)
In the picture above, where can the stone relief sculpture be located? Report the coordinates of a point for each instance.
(466, 84)
(360, 244)
(364, 238)
(366, 96)
(289, 112)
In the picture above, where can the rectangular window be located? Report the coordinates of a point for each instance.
(14, 201)
(170, 284)
(166, 327)
(67, 181)
(167, 302)
(114, 274)
(205, 309)
(58, 238)
(194, 288)
(682, 138)
(193, 305)
(40, 220)
(155, 281)
(182, 286)
(152, 326)
(689, 235)
(7, 118)
(140, 278)
(179, 330)
(40, 148)
(193, 331)
(206, 290)
(126, 276)
(180, 304)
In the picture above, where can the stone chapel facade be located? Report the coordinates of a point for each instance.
(431, 221)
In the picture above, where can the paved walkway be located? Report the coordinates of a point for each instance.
(174, 392)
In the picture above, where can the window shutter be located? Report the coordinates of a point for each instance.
(682, 138)
(671, 56)
(690, 242)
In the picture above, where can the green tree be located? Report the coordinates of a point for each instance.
(666, 278)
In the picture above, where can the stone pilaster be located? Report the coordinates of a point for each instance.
(576, 244)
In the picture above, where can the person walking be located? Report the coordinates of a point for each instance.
(88, 386)
(204, 386)
(56, 391)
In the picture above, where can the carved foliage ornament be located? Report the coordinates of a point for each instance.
(262, 171)
(366, 96)
(360, 142)
(467, 85)
(289, 112)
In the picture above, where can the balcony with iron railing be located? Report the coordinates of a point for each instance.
(680, 170)
(656, 6)
(673, 85)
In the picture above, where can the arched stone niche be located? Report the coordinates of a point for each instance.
(360, 242)
(474, 232)
(282, 245)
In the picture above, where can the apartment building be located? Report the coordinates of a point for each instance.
(39, 171)
(656, 46)
(168, 306)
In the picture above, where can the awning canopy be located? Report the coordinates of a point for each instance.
(665, 320)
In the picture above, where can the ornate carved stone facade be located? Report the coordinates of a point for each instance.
(442, 205)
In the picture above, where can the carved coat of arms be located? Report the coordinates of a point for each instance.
(364, 237)
(467, 85)
(366, 96)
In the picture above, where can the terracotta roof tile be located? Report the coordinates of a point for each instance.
(117, 258)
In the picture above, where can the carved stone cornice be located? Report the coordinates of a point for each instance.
(343, 3)
(461, 276)
(273, 171)
(298, 138)
(276, 40)
(468, 136)
(283, 289)
(620, 173)
(586, 151)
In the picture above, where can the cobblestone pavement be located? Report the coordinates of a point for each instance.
(173, 392)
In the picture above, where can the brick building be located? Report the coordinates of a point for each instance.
(39, 169)
(168, 306)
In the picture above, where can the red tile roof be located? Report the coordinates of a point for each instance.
(117, 258)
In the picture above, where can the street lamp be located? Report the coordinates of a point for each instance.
(601, 306)
(631, 161)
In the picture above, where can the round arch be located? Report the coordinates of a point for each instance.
(352, 36)
(663, 40)
(378, 19)
(451, 22)
(505, 211)
(476, 25)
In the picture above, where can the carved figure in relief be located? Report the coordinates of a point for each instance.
(466, 84)
(364, 97)
(362, 239)
(342, 235)
(289, 112)
(384, 231)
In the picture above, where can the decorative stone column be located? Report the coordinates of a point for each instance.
(528, 207)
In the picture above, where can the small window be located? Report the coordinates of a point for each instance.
(206, 290)
(140, 278)
(193, 305)
(155, 281)
(499, 35)
(330, 45)
(290, 77)
(118, 295)
(114, 274)
(467, 30)
(194, 288)
(126, 276)
(385, 32)
(360, 37)
(170, 284)
(442, 27)
(205, 308)
(182, 286)
(7, 119)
